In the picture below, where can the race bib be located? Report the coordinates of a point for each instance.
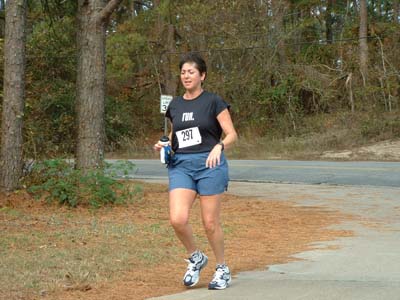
(188, 137)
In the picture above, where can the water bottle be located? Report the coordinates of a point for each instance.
(165, 152)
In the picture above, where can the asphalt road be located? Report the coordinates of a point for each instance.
(283, 171)
(363, 266)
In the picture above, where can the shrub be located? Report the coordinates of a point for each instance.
(58, 181)
(380, 128)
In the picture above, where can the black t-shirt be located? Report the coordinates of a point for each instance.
(201, 113)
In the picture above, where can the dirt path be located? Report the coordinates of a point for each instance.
(382, 151)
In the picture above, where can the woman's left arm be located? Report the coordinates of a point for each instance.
(225, 120)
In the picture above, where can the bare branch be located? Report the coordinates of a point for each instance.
(106, 12)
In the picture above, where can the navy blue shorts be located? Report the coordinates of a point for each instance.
(189, 171)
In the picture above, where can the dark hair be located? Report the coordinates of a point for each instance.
(194, 57)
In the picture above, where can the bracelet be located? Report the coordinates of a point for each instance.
(222, 146)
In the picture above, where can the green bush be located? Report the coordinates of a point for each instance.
(58, 181)
(380, 128)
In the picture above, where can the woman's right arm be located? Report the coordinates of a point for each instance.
(158, 146)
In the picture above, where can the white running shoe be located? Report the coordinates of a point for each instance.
(222, 278)
(197, 261)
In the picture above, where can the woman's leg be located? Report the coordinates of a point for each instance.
(180, 203)
(210, 212)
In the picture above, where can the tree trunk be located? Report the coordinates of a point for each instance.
(169, 84)
(396, 12)
(279, 9)
(93, 16)
(341, 47)
(363, 33)
(2, 19)
(14, 95)
(328, 22)
(132, 8)
(355, 7)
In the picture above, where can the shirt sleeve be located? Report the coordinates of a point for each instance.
(168, 112)
(220, 105)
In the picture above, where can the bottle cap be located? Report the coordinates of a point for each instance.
(164, 138)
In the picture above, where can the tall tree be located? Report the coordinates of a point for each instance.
(2, 18)
(279, 9)
(355, 7)
(93, 17)
(396, 11)
(14, 95)
(166, 37)
(363, 42)
(170, 83)
(329, 21)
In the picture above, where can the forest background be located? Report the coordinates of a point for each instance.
(302, 78)
(293, 71)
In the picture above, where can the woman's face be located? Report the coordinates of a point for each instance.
(191, 77)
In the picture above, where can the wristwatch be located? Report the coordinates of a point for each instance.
(222, 146)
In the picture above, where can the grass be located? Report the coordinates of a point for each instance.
(42, 252)
(78, 248)
(62, 253)
(318, 134)
(315, 135)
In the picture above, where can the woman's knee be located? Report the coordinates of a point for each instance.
(211, 226)
(178, 222)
